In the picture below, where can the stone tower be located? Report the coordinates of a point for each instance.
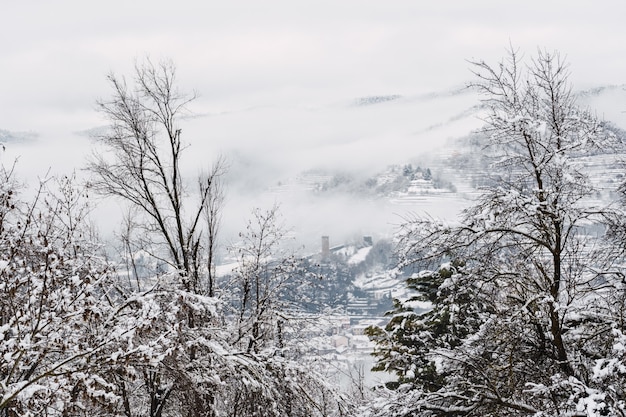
(325, 246)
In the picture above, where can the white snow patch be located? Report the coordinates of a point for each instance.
(359, 256)
(225, 269)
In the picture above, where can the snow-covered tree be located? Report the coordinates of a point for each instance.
(61, 329)
(448, 310)
(266, 275)
(210, 361)
(541, 328)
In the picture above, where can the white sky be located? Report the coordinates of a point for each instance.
(236, 54)
(276, 76)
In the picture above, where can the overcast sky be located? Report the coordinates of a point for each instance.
(264, 69)
(235, 54)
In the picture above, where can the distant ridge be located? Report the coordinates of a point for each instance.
(7, 136)
(370, 100)
(94, 132)
(599, 90)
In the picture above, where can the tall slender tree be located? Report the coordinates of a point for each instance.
(142, 165)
